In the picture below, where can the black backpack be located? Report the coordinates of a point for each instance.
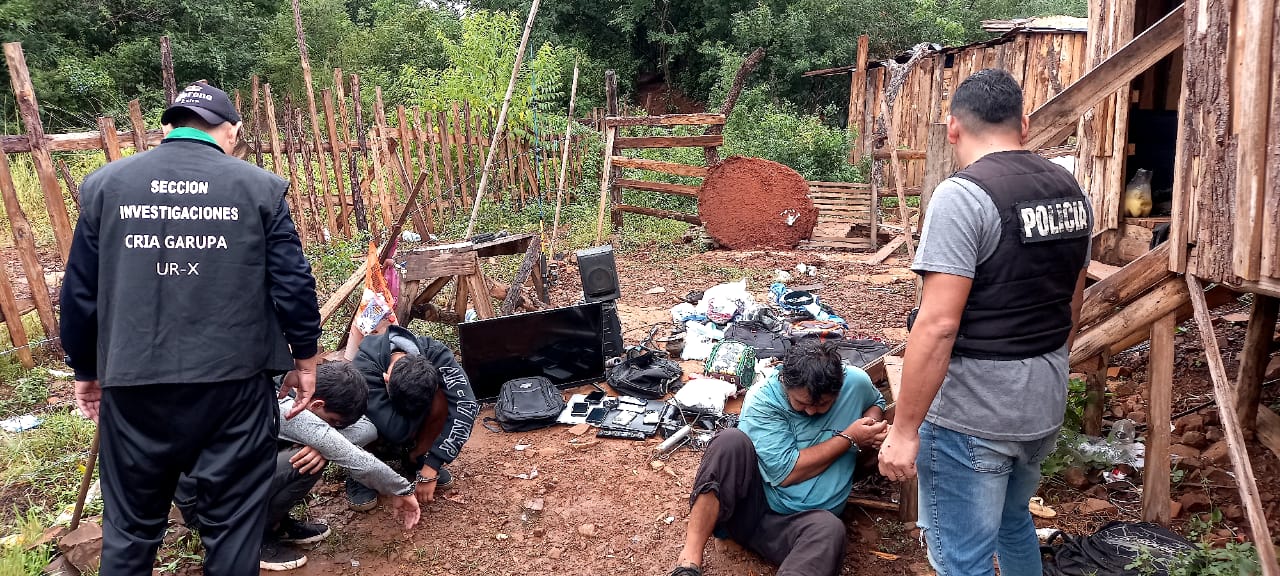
(767, 343)
(528, 404)
(859, 353)
(645, 373)
(1111, 549)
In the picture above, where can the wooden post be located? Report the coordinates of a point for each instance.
(425, 227)
(65, 171)
(166, 71)
(857, 103)
(138, 125)
(315, 123)
(335, 145)
(429, 137)
(255, 121)
(12, 316)
(497, 130)
(357, 188)
(383, 154)
(446, 157)
(611, 132)
(462, 155)
(20, 227)
(29, 109)
(324, 227)
(298, 212)
(564, 161)
(1224, 395)
(273, 131)
(1095, 395)
(1253, 366)
(615, 194)
(110, 139)
(1155, 476)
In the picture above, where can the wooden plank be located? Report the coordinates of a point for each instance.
(29, 110)
(424, 226)
(677, 189)
(1253, 364)
(331, 124)
(1155, 480)
(11, 314)
(1119, 288)
(478, 286)
(1250, 103)
(938, 164)
(659, 166)
(886, 251)
(459, 139)
(1269, 429)
(857, 100)
(255, 120)
(306, 231)
(25, 243)
(353, 163)
(669, 142)
(522, 275)
(323, 229)
(1100, 271)
(273, 131)
(1163, 299)
(110, 143)
(1141, 53)
(666, 120)
(446, 160)
(428, 135)
(139, 126)
(657, 213)
(1224, 395)
(836, 243)
(166, 71)
(432, 264)
(65, 172)
(1271, 211)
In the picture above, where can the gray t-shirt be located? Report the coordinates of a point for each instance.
(993, 399)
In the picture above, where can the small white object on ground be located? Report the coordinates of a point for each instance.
(655, 290)
(20, 423)
(410, 236)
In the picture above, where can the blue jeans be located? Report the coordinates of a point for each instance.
(973, 502)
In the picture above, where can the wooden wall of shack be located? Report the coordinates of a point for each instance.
(1043, 62)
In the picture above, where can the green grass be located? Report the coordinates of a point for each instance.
(31, 196)
(16, 560)
(40, 469)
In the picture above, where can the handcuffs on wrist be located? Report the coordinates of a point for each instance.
(853, 444)
(419, 479)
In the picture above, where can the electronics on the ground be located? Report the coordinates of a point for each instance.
(596, 416)
(594, 397)
(562, 344)
(599, 274)
(580, 409)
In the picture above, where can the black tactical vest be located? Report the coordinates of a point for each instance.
(1020, 303)
(183, 288)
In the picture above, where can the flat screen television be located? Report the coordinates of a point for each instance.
(565, 345)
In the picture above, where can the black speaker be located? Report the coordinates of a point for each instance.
(611, 330)
(599, 274)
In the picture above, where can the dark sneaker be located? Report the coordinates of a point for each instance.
(361, 498)
(295, 532)
(444, 480)
(686, 571)
(277, 557)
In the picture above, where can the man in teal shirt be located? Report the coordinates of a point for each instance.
(777, 482)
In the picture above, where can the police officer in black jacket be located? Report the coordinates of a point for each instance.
(185, 291)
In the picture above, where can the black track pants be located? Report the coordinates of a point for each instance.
(221, 435)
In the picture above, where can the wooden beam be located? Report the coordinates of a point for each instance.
(24, 242)
(1253, 365)
(433, 264)
(1155, 479)
(11, 314)
(888, 249)
(139, 126)
(1216, 296)
(1224, 395)
(512, 298)
(656, 213)
(110, 144)
(340, 295)
(606, 179)
(1163, 299)
(669, 142)
(902, 154)
(857, 100)
(1100, 271)
(667, 120)
(29, 109)
(1124, 285)
(665, 167)
(1269, 429)
(1158, 41)
(677, 189)
(1250, 103)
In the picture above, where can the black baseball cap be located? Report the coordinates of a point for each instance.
(211, 104)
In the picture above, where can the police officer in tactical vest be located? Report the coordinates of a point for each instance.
(185, 291)
(1003, 251)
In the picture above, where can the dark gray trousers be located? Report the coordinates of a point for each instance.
(288, 488)
(220, 436)
(810, 543)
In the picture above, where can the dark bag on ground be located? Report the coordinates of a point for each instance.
(528, 404)
(644, 373)
(1111, 549)
(767, 343)
(859, 353)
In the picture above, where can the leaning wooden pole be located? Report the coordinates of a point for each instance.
(564, 162)
(338, 226)
(502, 119)
(1225, 396)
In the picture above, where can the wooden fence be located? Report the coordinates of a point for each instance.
(351, 171)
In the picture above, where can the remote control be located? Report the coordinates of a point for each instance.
(620, 433)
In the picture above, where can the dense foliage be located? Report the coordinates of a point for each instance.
(89, 58)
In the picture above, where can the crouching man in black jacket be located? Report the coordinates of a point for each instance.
(419, 400)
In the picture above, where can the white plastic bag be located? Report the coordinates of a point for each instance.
(699, 338)
(680, 312)
(706, 395)
(723, 302)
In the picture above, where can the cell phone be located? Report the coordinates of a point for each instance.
(579, 409)
(594, 397)
(624, 418)
(597, 415)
